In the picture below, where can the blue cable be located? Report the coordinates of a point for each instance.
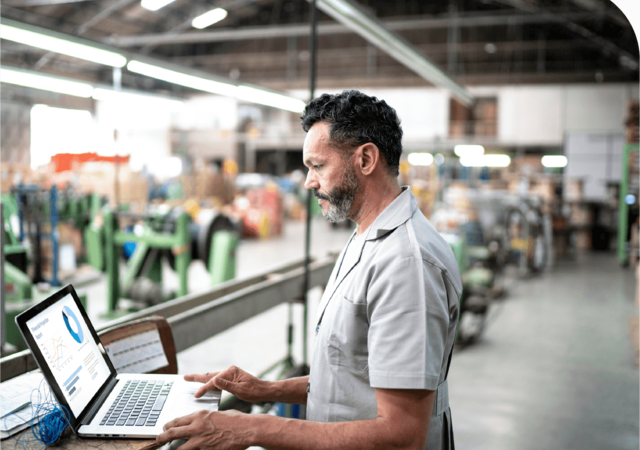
(54, 420)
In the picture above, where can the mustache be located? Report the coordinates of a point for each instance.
(319, 195)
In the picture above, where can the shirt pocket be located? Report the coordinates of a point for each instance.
(348, 342)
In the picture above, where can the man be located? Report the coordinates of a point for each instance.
(387, 318)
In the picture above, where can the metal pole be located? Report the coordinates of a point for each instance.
(313, 50)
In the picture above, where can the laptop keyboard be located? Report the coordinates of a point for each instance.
(139, 403)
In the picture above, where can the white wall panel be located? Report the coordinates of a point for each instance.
(208, 112)
(530, 115)
(595, 158)
(424, 112)
(596, 107)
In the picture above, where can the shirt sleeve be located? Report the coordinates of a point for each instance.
(408, 325)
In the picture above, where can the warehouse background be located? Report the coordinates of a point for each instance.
(521, 131)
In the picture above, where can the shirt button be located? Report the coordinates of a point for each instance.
(317, 329)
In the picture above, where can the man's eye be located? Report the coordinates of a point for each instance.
(317, 167)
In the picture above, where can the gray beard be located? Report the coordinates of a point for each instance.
(340, 198)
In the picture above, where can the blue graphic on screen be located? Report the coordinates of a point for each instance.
(78, 336)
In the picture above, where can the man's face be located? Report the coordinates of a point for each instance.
(331, 176)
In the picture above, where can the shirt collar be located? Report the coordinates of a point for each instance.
(395, 214)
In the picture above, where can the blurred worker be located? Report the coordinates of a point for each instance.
(387, 319)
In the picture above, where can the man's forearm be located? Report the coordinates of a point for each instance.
(276, 433)
(291, 390)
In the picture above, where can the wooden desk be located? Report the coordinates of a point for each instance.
(70, 441)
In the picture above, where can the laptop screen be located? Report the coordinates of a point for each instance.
(70, 352)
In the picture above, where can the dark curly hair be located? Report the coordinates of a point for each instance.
(356, 119)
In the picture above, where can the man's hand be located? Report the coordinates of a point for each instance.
(233, 380)
(207, 429)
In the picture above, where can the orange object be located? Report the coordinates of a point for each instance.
(65, 161)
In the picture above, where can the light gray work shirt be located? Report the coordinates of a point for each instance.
(387, 319)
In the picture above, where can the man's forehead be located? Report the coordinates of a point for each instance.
(317, 141)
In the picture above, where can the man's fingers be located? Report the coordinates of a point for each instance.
(200, 377)
(194, 443)
(204, 389)
(172, 434)
(181, 421)
(221, 383)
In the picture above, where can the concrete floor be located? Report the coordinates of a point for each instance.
(554, 369)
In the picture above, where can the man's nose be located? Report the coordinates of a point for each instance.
(310, 182)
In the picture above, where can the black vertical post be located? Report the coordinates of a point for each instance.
(313, 50)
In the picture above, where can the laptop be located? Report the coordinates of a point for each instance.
(101, 402)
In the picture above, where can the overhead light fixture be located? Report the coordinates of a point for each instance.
(56, 42)
(485, 161)
(468, 150)
(45, 82)
(209, 18)
(248, 93)
(554, 161)
(154, 5)
(267, 98)
(136, 99)
(420, 159)
(190, 81)
(373, 31)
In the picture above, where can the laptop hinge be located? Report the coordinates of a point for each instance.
(97, 404)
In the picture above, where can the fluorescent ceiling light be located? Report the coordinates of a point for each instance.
(485, 161)
(154, 5)
(554, 161)
(63, 46)
(190, 81)
(270, 99)
(247, 93)
(46, 83)
(372, 30)
(137, 99)
(209, 18)
(420, 159)
(468, 150)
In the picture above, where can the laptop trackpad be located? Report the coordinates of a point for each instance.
(182, 402)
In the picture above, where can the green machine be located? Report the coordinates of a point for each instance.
(628, 199)
(172, 236)
(19, 291)
(477, 284)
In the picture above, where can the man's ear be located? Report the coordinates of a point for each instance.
(368, 158)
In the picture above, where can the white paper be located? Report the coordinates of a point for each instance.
(141, 353)
(19, 420)
(16, 392)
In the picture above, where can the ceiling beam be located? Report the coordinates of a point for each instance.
(608, 47)
(302, 30)
(329, 55)
(374, 32)
(31, 3)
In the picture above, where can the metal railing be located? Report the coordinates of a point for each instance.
(199, 316)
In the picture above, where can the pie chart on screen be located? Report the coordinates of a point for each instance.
(76, 334)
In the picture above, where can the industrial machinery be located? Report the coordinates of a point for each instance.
(478, 286)
(31, 215)
(147, 240)
(527, 238)
(38, 213)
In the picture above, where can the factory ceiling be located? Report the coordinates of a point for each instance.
(265, 42)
